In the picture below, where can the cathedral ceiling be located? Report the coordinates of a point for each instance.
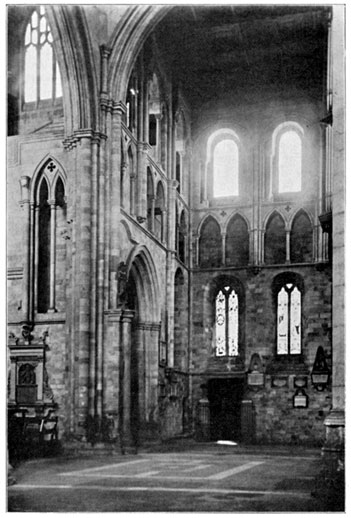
(240, 50)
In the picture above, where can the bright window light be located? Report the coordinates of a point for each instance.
(225, 169)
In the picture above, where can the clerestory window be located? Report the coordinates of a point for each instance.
(42, 80)
(289, 164)
(226, 169)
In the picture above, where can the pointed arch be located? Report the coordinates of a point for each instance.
(75, 56)
(50, 168)
(237, 242)
(301, 238)
(49, 221)
(275, 239)
(130, 34)
(142, 266)
(210, 243)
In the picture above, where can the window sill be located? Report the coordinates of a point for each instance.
(50, 317)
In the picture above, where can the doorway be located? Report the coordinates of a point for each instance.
(225, 397)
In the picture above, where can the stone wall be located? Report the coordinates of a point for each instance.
(275, 418)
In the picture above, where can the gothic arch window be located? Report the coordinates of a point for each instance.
(159, 212)
(227, 322)
(210, 244)
(223, 164)
(49, 216)
(275, 240)
(237, 242)
(287, 151)
(44, 245)
(287, 290)
(42, 80)
(180, 149)
(154, 113)
(301, 239)
(131, 103)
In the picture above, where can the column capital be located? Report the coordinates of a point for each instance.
(173, 183)
(119, 108)
(127, 315)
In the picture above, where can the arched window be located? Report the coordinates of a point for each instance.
(289, 162)
(301, 239)
(237, 242)
(226, 169)
(49, 215)
(154, 114)
(222, 168)
(42, 78)
(227, 322)
(288, 296)
(210, 244)
(44, 226)
(275, 240)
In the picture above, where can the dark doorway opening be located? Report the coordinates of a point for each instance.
(225, 396)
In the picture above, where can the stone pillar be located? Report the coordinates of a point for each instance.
(112, 368)
(172, 188)
(223, 234)
(335, 421)
(25, 201)
(288, 232)
(140, 348)
(52, 255)
(142, 182)
(126, 323)
(118, 111)
(83, 281)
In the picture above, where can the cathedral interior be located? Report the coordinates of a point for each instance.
(175, 222)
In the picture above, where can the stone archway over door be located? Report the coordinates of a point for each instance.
(144, 340)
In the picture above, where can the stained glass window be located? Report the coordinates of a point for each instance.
(289, 320)
(42, 78)
(227, 323)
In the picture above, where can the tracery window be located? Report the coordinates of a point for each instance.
(49, 216)
(227, 322)
(289, 319)
(42, 78)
